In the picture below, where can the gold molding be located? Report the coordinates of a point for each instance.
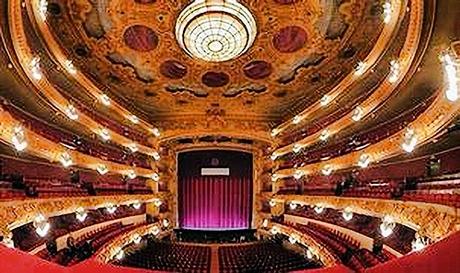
(19, 212)
(45, 148)
(434, 221)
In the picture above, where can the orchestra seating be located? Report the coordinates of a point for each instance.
(173, 257)
(261, 256)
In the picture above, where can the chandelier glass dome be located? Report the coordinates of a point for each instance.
(215, 30)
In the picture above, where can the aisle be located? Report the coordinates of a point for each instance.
(214, 259)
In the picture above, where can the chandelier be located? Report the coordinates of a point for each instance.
(215, 30)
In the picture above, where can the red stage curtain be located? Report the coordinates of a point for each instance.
(215, 203)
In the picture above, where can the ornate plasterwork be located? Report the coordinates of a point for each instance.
(434, 221)
(398, 11)
(215, 122)
(19, 212)
(327, 28)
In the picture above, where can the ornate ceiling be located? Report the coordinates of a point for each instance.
(316, 71)
(302, 47)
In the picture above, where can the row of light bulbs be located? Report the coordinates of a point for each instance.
(356, 115)
(386, 226)
(347, 213)
(42, 225)
(72, 113)
(19, 142)
(410, 140)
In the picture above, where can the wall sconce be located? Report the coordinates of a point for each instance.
(347, 214)
(156, 156)
(155, 177)
(298, 174)
(387, 226)
(324, 135)
(387, 11)
(319, 209)
(409, 140)
(357, 114)
(71, 112)
(327, 170)
(35, 69)
(360, 68)
(134, 119)
(111, 208)
(364, 160)
(156, 132)
(18, 139)
(395, 71)
(105, 100)
(450, 70)
(136, 204)
(105, 134)
(41, 225)
(133, 147)
(81, 214)
(131, 174)
(70, 67)
(292, 205)
(296, 148)
(65, 159)
(102, 169)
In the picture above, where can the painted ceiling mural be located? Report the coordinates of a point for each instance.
(302, 49)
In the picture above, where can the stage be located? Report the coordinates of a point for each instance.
(215, 236)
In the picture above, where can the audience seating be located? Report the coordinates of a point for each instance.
(374, 134)
(400, 240)
(174, 257)
(262, 256)
(93, 147)
(26, 178)
(25, 237)
(345, 247)
(95, 239)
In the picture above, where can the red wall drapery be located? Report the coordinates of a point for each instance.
(215, 202)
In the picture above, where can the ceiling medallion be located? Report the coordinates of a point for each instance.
(215, 30)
